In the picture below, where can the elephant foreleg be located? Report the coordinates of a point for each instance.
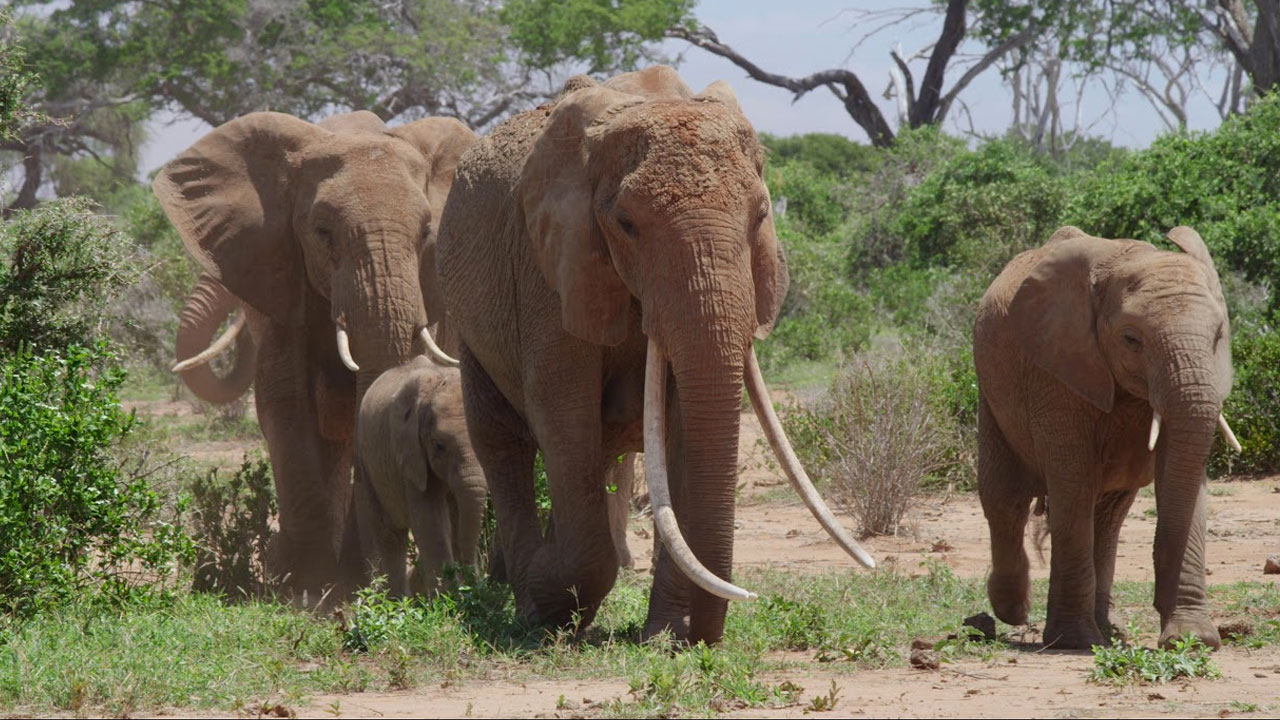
(312, 472)
(385, 545)
(433, 534)
(1005, 492)
(1108, 516)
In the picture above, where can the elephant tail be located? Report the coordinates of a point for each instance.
(207, 306)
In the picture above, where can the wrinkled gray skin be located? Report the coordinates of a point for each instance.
(418, 472)
(1076, 343)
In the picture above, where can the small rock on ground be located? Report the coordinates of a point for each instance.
(925, 660)
(1272, 565)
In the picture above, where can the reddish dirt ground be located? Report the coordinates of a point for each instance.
(775, 529)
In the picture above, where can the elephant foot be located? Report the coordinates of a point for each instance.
(1010, 597)
(559, 598)
(1072, 634)
(677, 626)
(1112, 630)
(1199, 625)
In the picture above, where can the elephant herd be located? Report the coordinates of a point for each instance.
(600, 267)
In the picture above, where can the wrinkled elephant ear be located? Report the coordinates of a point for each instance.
(1053, 316)
(230, 196)
(441, 142)
(555, 195)
(407, 423)
(1190, 242)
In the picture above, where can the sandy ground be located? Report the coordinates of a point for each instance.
(775, 529)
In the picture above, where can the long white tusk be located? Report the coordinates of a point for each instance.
(1227, 435)
(795, 471)
(1155, 430)
(215, 348)
(655, 468)
(433, 350)
(344, 351)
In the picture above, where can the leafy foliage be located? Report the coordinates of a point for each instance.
(71, 515)
(1125, 663)
(59, 267)
(233, 527)
(604, 34)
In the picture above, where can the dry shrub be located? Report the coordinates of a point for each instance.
(883, 433)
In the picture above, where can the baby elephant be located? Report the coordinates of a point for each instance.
(417, 471)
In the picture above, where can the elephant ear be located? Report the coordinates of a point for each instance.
(1190, 242)
(1054, 318)
(769, 272)
(411, 414)
(230, 196)
(555, 194)
(441, 142)
(720, 91)
(354, 122)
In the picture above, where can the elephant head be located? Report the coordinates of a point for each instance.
(422, 471)
(640, 193)
(275, 208)
(1118, 316)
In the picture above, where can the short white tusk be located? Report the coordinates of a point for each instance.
(655, 468)
(1227, 435)
(795, 471)
(344, 351)
(434, 351)
(1155, 430)
(217, 346)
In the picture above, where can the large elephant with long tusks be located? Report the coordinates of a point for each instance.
(322, 239)
(608, 259)
(1102, 367)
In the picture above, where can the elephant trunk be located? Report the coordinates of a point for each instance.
(207, 306)
(1187, 398)
(377, 305)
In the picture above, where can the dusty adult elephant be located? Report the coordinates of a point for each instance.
(326, 234)
(1102, 366)
(586, 245)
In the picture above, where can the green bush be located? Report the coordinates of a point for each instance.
(72, 516)
(1251, 406)
(1224, 183)
(982, 208)
(828, 153)
(60, 265)
(233, 524)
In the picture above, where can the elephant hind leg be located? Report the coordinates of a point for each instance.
(1108, 516)
(1006, 494)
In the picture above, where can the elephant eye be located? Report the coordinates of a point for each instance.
(324, 236)
(1132, 340)
(627, 226)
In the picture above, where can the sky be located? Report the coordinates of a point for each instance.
(797, 38)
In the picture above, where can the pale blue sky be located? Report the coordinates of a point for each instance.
(798, 38)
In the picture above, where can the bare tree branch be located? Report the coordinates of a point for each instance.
(857, 101)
